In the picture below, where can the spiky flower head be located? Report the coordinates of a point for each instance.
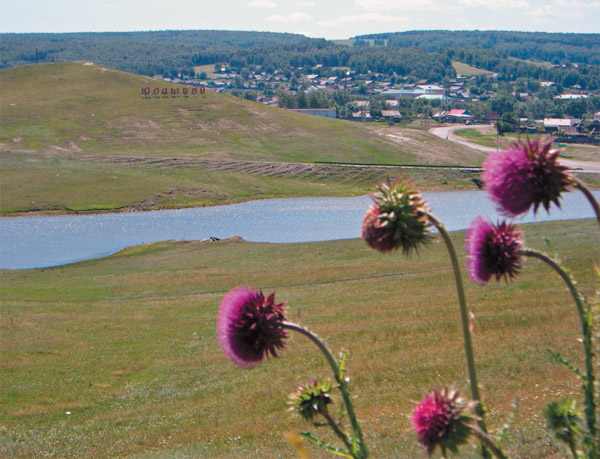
(527, 174)
(311, 399)
(441, 419)
(563, 419)
(250, 326)
(493, 250)
(397, 218)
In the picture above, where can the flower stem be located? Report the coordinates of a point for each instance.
(484, 437)
(364, 452)
(588, 194)
(586, 329)
(336, 429)
(464, 316)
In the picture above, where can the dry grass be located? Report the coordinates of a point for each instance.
(127, 344)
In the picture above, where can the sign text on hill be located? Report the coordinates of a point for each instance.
(148, 92)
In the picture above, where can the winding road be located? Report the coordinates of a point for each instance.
(447, 132)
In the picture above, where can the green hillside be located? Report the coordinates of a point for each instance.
(88, 109)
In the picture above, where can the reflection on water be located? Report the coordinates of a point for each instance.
(35, 242)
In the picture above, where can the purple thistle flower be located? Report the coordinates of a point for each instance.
(493, 251)
(527, 174)
(250, 326)
(440, 420)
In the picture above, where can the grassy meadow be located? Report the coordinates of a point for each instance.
(34, 182)
(127, 345)
(468, 70)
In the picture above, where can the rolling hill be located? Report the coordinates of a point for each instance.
(83, 108)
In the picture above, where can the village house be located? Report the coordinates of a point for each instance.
(456, 115)
(571, 96)
(558, 124)
(362, 115)
(391, 115)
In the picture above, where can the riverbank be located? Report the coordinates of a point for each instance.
(38, 184)
(127, 346)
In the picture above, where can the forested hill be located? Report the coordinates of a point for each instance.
(558, 48)
(144, 53)
(566, 59)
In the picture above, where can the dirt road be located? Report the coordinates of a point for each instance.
(447, 132)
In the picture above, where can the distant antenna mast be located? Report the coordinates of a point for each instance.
(36, 56)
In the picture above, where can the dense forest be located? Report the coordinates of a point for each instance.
(574, 58)
(169, 53)
(557, 48)
(145, 53)
(308, 54)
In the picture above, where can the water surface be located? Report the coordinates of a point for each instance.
(36, 242)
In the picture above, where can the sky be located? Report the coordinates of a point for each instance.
(331, 19)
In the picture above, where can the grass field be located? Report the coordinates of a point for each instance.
(208, 69)
(38, 183)
(488, 139)
(579, 152)
(544, 64)
(468, 70)
(127, 345)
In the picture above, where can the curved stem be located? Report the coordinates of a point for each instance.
(588, 194)
(586, 330)
(464, 316)
(484, 437)
(364, 452)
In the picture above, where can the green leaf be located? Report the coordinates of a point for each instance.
(354, 443)
(330, 448)
(342, 365)
(560, 359)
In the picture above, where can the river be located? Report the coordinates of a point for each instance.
(38, 242)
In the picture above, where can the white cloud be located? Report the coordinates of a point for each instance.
(307, 4)
(496, 4)
(362, 19)
(562, 11)
(262, 4)
(401, 5)
(294, 17)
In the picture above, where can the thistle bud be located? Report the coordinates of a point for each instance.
(397, 218)
(311, 399)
